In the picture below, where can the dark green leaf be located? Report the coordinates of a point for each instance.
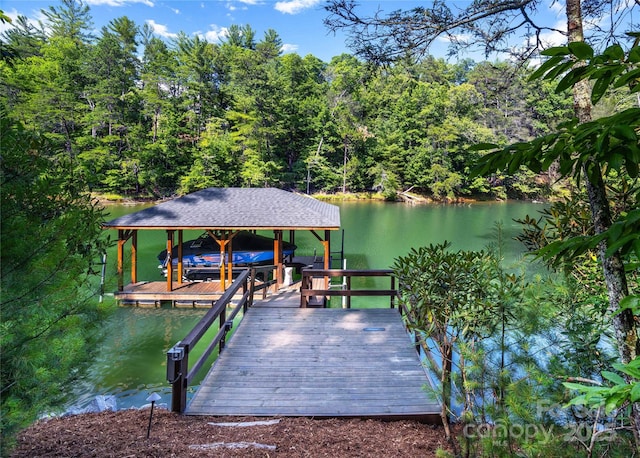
(615, 246)
(627, 78)
(614, 52)
(571, 78)
(631, 167)
(483, 147)
(545, 67)
(556, 51)
(614, 377)
(581, 50)
(558, 70)
(600, 87)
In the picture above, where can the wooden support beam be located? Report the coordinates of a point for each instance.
(134, 257)
(123, 236)
(224, 240)
(120, 268)
(169, 260)
(277, 257)
(327, 249)
(230, 263)
(327, 255)
(180, 263)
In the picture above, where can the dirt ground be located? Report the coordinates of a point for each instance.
(124, 434)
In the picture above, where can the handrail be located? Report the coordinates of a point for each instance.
(308, 291)
(178, 373)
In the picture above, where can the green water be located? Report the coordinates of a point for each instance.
(131, 362)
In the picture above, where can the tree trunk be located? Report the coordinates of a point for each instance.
(445, 380)
(612, 267)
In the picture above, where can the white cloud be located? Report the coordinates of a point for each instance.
(216, 34)
(557, 8)
(553, 38)
(13, 15)
(295, 6)
(287, 47)
(33, 20)
(118, 2)
(160, 29)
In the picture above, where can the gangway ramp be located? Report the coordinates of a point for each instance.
(318, 363)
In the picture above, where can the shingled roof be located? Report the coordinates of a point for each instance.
(234, 208)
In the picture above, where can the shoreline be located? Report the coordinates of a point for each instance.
(402, 197)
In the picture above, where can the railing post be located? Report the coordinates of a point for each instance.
(305, 284)
(223, 319)
(252, 289)
(177, 367)
(393, 288)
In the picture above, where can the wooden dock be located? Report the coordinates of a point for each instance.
(318, 363)
(153, 293)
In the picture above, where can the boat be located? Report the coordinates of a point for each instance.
(201, 256)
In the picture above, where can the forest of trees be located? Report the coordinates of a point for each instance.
(142, 117)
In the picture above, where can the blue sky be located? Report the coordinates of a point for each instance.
(298, 22)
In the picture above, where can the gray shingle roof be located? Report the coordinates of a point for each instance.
(234, 208)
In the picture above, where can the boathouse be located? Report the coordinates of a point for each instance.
(285, 358)
(223, 213)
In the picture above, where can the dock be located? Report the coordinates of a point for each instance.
(318, 363)
(287, 358)
(153, 293)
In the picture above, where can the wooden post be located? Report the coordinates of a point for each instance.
(306, 283)
(121, 242)
(327, 249)
(177, 369)
(230, 257)
(169, 260)
(134, 256)
(277, 257)
(393, 297)
(327, 255)
(222, 324)
(180, 265)
(223, 280)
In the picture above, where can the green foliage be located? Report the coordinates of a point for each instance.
(137, 125)
(619, 392)
(51, 242)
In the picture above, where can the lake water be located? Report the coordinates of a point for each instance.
(131, 361)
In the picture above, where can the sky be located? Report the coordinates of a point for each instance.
(299, 23)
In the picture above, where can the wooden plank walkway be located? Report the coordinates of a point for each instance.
(319, 363)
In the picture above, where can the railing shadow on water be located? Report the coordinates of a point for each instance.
(179, 375)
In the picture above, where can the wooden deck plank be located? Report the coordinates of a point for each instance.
(317, 362)
(194, 294)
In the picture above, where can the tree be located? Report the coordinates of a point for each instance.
(490, 24)
(444, 293)
(587, 150)
(51, 242)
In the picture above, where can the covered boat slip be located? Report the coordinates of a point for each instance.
(318, 363)
(283, 359)
(222, 213)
